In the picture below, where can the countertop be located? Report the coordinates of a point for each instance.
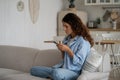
(103, 29)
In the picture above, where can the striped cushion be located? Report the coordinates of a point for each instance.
(93, 61)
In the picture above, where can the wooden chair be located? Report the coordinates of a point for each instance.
(112, 42)
(111, 45)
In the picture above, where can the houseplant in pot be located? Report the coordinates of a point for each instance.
(71, 5)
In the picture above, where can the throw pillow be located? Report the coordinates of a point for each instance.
(93, 61)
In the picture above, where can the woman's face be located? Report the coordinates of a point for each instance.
(67, 28)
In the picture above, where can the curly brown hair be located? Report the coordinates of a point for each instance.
(78, 27)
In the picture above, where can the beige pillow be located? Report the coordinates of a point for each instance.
(93, 61)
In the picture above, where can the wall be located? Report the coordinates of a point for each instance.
(17, 29)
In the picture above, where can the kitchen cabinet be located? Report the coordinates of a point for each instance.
(101, 31)
(97, 36)
(91, 2)
(102, 2)
(116, 2)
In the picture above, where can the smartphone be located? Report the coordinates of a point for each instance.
(51, 42)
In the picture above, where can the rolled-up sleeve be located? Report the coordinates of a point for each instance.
(80, 55)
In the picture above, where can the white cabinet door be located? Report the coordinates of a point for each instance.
(102, 2)
(105, 1)
(91, 2)
(116, 1)
(97, 35)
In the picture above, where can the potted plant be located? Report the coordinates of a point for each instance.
(71, 5)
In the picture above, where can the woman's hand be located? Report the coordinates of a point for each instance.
(65, 48)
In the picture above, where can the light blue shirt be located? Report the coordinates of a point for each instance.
(80, 48)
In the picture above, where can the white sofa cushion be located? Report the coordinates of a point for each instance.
(24, 76)
(9, 74)
(93, 61)
(93, 76)
(48, 57)
(4, 72)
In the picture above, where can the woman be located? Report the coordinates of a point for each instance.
(75, 48)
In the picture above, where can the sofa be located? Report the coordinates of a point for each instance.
(16, 62)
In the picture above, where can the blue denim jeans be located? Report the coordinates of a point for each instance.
(54, 73)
